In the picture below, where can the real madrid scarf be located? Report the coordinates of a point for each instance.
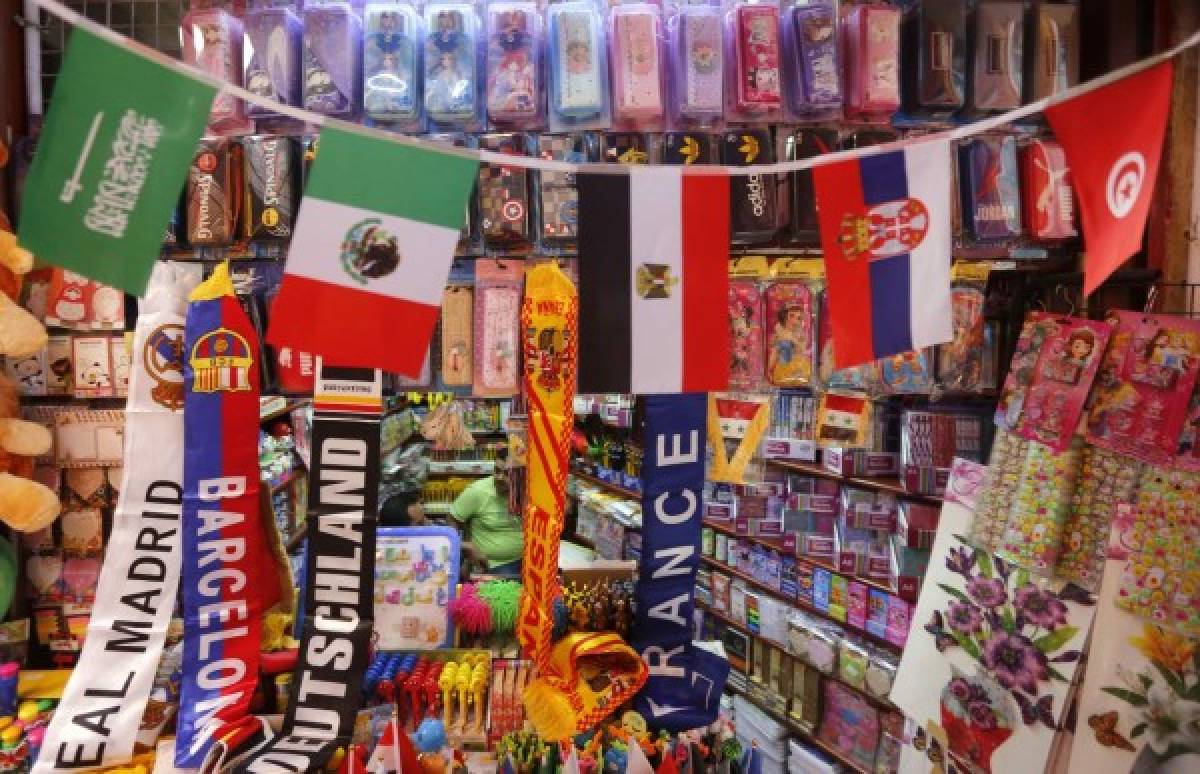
(342, 501)
(102, 705)
(549, 316)
(683, 689)
(229, 573)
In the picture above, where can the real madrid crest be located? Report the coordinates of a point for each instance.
(162, 358)
(654, 280)
(221, 361)
(369, 251)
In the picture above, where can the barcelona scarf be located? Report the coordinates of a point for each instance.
(685, 683)
(229, 573)
(338, 600)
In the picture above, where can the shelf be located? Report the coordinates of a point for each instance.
(287, 409)
(889, 484)
(794, 727)
(462, 467)
(777, 544)
(883, 704)
(437, 509)
(619, 490)
(798, 603)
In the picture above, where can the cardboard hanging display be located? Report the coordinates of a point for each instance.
(340, 579)
(229, 572)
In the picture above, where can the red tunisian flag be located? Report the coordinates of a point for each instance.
(1113, 138)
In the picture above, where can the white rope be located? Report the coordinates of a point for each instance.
(983, 125)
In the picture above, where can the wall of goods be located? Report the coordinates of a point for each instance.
(901, 561)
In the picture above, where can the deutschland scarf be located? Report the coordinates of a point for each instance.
(338, 600)
(684, 688)
(97, 720)
(229, 573)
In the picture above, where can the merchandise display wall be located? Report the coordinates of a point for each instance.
(605, 420)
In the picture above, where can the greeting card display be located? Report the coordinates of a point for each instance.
(391, 76)
(416, 574)
(989, 661)
(1141, 407)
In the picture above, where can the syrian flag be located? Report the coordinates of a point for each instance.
(1114, 163)
(375, 237)
(653, 280)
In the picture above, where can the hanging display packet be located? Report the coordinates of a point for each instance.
(1105, 482)
(339, 574)
(332, 58)
(271, 53)
(451, 64)
(754, 198)
(514, 72)
(391, 78)
(97, 719)
(212, 42)
(1040, 505)
(753, 88)
(871, 50)
(743, 421)
(746, 327)
(791, 338)
(213, 187)
(960, 362)
(1047, 200)
(1054, 65)
(457, 338)
(1141, 408)
(686, 148)
(549, 320)
(557, 196)
(578, 64)
(503, 193)
(635, 33)
(227, 565)
(686, 683)
(997, 57)
(698, 60)
(272, 191)
(497, 317)
(810, 37)
(936, 31)
(988, 187)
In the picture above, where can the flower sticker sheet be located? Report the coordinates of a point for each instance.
(1139, 708)
(990, 657)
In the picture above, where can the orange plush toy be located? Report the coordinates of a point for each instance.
(25, 504)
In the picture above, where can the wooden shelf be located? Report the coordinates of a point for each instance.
(777, 544)
(798, 603)
(794, 727)
(883, 704)
(606, 486)
(889, 484)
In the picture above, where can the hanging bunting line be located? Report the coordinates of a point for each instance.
(64, 13)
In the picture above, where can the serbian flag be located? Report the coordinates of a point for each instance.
(375, 237)
(653, 278)
(1113, 139)
(887, 237)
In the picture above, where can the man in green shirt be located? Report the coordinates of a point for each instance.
(492, 535)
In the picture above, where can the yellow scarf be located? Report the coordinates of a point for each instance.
(733, 470)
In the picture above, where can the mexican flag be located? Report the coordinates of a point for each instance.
(374, 240)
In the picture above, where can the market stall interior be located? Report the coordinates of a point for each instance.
(498, 386)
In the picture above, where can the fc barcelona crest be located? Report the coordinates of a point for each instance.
(884, 230)
(654, 280)
(221, 362)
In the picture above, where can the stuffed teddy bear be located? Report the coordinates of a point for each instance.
(25, 504)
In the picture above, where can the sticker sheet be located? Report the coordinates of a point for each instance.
(1137, 707)
(1106, 480)
(990, 657)
(416, 572)
(1000, 481)
(1042, 499)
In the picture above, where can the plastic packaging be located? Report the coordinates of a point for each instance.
(271, 56)
(452, 66)
(1053, 64)
(1047, 200)
(635, 34)
(754, 198)
(332, 37)
(870, 37)
(686, 148)
(391, 65)
(504, 194)
(805, 229)
(697, 58)
(556, 195)
(212, 41)
(753, 84)
(514, 65)
(813, 77)
(997, 73)
(991, 206)
(935, 62)
(578, 64)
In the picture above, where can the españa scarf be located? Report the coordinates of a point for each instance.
(342, 502)
(229, 577)
(97, 720)
(685, 683)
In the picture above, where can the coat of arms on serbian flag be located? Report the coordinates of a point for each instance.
(375, 237)
(887, 236)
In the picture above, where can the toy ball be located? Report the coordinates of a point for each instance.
(430, 735)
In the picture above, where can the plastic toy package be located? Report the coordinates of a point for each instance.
(997, 76)
(452, 67)
(212, 41)
(555, 194)
(791, 323)
(635, 35)
(991, 208)
(935, 36)
(697, 66)
(812, 77)
(271, 56)
(960, 361)
(753, 86)
(577, 61)
(1047, 199)
(746, 324)
(504, 194)
(870, 37)
(391, 66)
(1054, 64)
(514, 65)
(332, 61)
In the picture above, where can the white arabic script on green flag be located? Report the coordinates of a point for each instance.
(111, 161)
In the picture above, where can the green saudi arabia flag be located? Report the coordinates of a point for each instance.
(111, 161)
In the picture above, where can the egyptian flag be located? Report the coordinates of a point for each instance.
(653, 279)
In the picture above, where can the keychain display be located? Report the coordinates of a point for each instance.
(391, 69)
(635, 35)
(271, 52)
(514, 64)
(698, 60)
(332, 59)
(577, 60)
(451, 65)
